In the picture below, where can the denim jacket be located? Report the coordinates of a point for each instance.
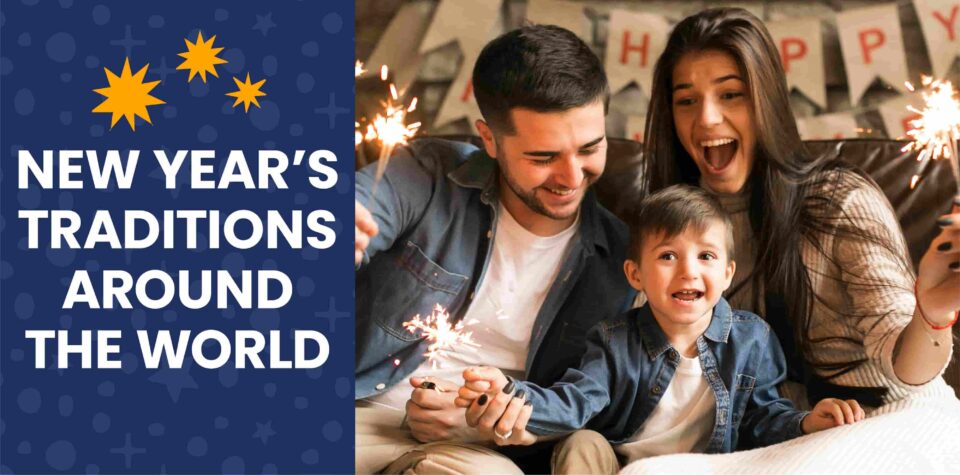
(629, 363)
(436, 208)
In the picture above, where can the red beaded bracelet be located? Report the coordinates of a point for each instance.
(956, 315)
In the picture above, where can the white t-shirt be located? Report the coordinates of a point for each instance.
(683, 419)
(521, 270)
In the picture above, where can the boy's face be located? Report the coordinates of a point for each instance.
(683, 276)
(549, 162)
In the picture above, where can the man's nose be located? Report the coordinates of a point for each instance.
(569, 171)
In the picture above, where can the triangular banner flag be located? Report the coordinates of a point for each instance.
(801, 52)
(872, 46)
(896, 116)
(398, 45)
(569, 15)
(841, 125)
(466, 21)
(940, 22)
(634, 42)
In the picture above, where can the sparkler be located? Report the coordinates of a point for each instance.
(440, 332)
(936, 131)
(390, 128)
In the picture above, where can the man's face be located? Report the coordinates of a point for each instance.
(548, 164)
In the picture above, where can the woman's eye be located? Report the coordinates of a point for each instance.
(731, 95)
(684, 101)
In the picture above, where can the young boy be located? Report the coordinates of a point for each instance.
(683, 373)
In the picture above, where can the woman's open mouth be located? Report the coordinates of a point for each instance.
(718, 153)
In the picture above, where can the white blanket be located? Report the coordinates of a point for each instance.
(919, 436)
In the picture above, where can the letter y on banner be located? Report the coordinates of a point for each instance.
(940, 21)
(801, 52)
(872, 46)
(634, 42)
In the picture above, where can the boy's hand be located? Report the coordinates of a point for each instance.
(479, 380)
(494, 407)
(832, 412)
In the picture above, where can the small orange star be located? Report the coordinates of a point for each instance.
(201, 57)
(247, 93)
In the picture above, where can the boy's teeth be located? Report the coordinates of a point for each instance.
(715, 142)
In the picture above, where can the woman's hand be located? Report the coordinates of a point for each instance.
(938, 280)
(495, 407)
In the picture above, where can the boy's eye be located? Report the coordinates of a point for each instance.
(667, 256)
(708, 256)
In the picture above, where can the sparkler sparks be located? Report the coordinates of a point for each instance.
(390, 128)
(440, 332)
(936, 131)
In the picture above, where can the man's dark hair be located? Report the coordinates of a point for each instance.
(543, 68)
(673, 210)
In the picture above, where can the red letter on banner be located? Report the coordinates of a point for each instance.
(949, 24)
(467, 92)
(626, 48)
(865, 47)
(788, 54)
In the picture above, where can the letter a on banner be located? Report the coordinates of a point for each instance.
(801, 53)
(634, 42)
(872, 46)
(940, 22)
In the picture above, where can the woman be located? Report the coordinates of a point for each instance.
(819, 250)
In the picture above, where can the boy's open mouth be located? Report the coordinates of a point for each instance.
(718, 153)
(687, 295)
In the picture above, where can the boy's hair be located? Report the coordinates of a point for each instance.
(543, 68)
(674, 209)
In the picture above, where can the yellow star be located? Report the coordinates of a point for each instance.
(247, 93)
(201, 57)
(127, 95)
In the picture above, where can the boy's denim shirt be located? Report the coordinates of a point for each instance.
(437, 207)
(629, 363)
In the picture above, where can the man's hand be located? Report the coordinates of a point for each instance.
(496, 408)
(431, 414)
(366, 229)
(831, 412)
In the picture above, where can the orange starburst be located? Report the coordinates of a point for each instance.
(443, 335)
(201, 57)
(127, 95)
(247, 93)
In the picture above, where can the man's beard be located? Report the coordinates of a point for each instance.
(529, 198)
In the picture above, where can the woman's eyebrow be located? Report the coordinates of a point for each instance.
(687, 85)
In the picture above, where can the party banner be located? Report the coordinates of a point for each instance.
(872, 47)
(896, 115)
(459, 102)
(940, 22)
(634, 42)
(398, 47)
(175, 249)
(841, 125)
(635, 127)
(801, 53)
(569, 15)
(466, 21)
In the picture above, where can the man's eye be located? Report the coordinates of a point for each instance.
(545, 161)
(589, 151)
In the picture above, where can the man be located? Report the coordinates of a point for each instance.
(509, 238)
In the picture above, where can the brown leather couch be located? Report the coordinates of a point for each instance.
(917, 209)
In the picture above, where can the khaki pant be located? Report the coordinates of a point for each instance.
(584, 451)
(384, 445)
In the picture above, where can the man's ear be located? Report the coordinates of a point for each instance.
(489, 141)
(632, 270)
